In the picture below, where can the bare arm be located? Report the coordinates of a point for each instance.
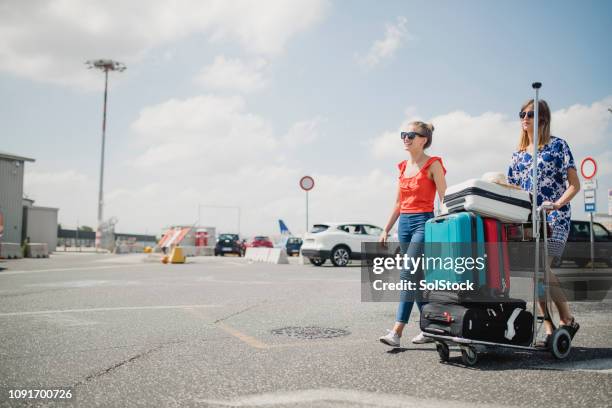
(572, 189)
(392, 219)
(437, 174)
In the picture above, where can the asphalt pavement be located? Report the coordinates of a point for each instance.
(216, 332)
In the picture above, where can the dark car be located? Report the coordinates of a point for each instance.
(293, 246)
(229, 244)
(578, 247)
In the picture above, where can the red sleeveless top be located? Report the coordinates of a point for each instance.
(417, 193)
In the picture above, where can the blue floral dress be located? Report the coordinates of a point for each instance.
(554, 161)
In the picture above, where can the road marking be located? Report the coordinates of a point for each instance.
(596, 365)
(105, 309)
(87, 268)
(345, 397)
(245, 338)
(251, 341)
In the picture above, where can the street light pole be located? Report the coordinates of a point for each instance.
(105, 65)
(101, 186)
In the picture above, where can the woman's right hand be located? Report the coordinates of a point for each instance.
(383, 238)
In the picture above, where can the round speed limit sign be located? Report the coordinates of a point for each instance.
(588, 168)
(307, 183)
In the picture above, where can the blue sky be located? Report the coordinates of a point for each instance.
(232, 102)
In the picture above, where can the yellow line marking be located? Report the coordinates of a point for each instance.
(251, 341)
(245, 338)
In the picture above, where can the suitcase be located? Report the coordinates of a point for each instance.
(455, 236)
(488, 199)
(478, 322)
(498, 263)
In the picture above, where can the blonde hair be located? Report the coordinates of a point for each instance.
(543, 128)
(426, 129)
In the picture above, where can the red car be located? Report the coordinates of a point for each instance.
(261, 241)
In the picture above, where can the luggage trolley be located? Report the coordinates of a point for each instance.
(560, 342)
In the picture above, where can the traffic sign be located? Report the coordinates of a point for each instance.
(307, 183)
(590, 184)
(588, 168)
(590, 200)
(589, 196)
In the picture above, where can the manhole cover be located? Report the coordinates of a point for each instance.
(311, 332)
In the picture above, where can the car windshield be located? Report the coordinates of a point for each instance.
(260, 238)
(294, 241)
(231, 237)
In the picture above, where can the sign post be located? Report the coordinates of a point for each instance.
(588, 169)
(307, 184)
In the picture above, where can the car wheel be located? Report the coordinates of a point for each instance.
(317, 261)
(340, 256)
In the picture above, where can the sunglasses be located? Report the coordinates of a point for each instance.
(529, 114)
(410, 135)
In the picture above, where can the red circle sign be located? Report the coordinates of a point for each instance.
(585, 161)
(307, 183)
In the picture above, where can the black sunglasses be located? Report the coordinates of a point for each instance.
(410, 135)
(529, 114)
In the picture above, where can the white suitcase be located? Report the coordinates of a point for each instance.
(493, 200)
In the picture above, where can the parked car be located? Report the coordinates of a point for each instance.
(338, 242)
(229, 244)
(578, 247)
(293, 246)
(261, 241)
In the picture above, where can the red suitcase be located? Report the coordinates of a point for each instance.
(498, 263)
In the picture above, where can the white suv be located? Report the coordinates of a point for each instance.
(339, 242)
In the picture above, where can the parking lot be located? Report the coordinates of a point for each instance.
(219, 332)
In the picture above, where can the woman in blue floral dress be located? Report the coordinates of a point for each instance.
(558, 183)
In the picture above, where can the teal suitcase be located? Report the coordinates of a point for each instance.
(453, 238)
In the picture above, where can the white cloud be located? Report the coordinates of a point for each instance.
(74, 193)
(208, 132)
(233, 75)
(48, 41)
(587, 125)
(303, 132)
(395, 36)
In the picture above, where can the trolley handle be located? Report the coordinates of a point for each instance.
(545, 207)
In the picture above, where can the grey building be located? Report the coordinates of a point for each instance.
(39, 224)
(11, 195)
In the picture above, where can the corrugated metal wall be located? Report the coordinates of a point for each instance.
(11, 195)
(42, 226)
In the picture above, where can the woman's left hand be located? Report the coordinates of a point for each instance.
(551, 206)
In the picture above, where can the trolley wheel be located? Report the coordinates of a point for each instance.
(560, 343)
(443, 351)
(469, 356)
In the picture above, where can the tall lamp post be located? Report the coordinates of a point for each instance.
(104, 65)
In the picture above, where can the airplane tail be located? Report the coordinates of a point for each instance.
(283, 228)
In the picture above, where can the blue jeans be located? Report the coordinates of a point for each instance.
(411, 234)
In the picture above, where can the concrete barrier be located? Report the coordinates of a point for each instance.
(277, 256)
(9, 250)
(34, 250)
(304, 260)
(206, 251)
(268, 255)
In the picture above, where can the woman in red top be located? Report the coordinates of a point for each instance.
(421, 176)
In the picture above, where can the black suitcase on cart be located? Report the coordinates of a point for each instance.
(500, 322)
